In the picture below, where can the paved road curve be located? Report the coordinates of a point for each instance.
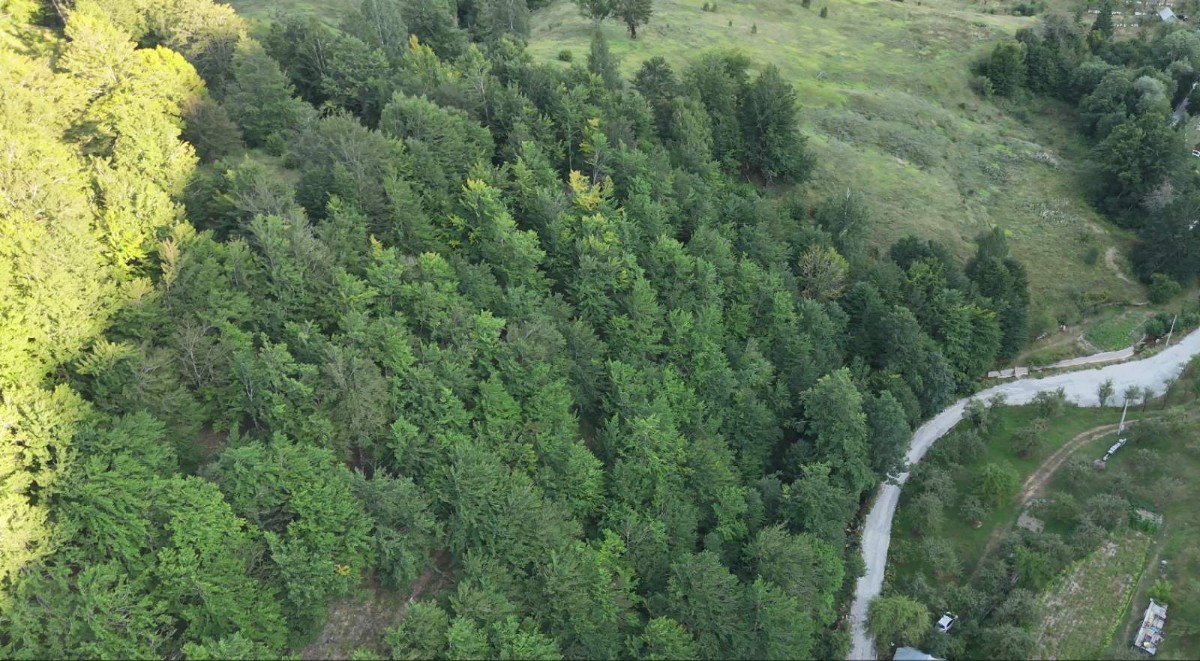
(1154, 372)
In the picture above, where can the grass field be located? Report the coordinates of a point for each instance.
(330, 11)
(886, 103)
(1089, 600)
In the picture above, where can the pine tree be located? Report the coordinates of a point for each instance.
(634, 13)
(1104, 21)
(602, 63)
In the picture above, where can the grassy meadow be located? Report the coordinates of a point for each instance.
(329, 11)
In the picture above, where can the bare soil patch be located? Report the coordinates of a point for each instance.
(362, 620)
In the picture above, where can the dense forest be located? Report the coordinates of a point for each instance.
(283, 315)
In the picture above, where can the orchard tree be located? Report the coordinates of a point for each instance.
(997, 482)
(972, 509)
(1131, 395)
(897, 619)
(1029, 440)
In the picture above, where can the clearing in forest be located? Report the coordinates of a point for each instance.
(1082, 610)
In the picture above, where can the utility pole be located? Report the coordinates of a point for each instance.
(1171, 331)
(1121, 428)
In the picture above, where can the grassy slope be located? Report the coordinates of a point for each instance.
(330, 11)
(884, 90)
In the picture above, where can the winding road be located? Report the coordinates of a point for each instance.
(1154, 372)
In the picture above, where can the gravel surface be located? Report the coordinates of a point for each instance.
(1154, 372)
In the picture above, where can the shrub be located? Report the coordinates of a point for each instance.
(1163, 288)
(1050, 404)
(1028, 9)
(565, 55)
(1109, 511)
(1161, 592)
(983, 86)
(824, 12)
(1092, 256)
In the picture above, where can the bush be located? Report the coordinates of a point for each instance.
(1158, 326)
(824, 12)
(1028, 9)
(996, 484)
(1050, 404)
(1108, 511)
(1163, 288)
(982, 85)
(1005, 67)
(565, 55)
(1161, 592)
(1092, 256)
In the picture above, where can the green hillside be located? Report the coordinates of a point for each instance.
(886, 102)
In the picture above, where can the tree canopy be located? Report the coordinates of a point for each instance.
(357, 305)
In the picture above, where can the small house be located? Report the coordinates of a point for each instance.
(1150, 634)
(1166, 15)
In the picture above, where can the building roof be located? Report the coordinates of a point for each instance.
(1150, 634)
(1166, 14)
(913, 654)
